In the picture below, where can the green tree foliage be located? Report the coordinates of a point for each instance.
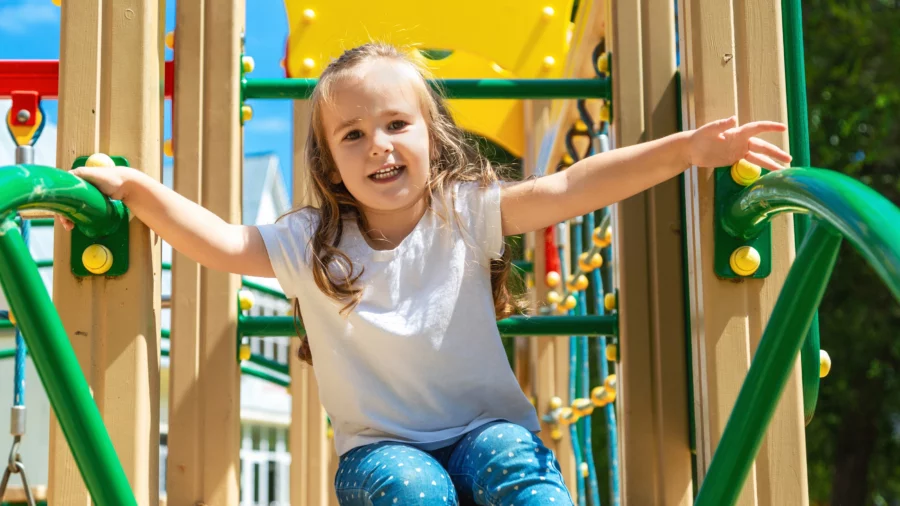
(853, 83)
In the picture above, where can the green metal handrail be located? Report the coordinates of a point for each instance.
(301, 88)
(841, 206)
(515, 326)
(47, 188)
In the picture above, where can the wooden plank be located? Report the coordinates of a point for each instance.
(300, 372)
(666, 263)
(221, 194)
(117, 333)
(78, 133)
(781, 464)
(184, 478)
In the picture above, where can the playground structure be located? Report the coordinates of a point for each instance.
(692, 290)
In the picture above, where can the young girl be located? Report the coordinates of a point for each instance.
(399, 276)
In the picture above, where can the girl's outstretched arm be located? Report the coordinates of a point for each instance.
(186, 226)
(607, 178)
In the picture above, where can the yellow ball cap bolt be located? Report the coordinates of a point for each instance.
(309, 15)
(745, 261)
(824, 363)
(552, 279)
(745, 173)
(247, 64)
(168, 150)
(246, 113)
(245, 297)
(170, 40)
(99, 160)
(97, 259)
(612, 351)
(245, 351)
(609, 301)
(553, 297)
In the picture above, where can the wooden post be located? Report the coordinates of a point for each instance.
(222, 157)
(655, 448)
(109, 101)
(184, 470)
(728, 317)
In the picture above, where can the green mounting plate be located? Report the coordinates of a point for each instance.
(117, 242)
(725, 193)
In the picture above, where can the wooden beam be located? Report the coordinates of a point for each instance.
(221, 193)
(185, 461)
(761, 89)
(110, 100)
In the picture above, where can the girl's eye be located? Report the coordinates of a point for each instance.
(397, 124)
(353, 135)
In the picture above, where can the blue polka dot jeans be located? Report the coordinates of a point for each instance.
(499, 463)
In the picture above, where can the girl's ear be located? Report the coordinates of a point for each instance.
(335, 176)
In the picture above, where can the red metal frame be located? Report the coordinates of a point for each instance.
(42, 76)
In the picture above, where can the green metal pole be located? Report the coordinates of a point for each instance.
(793, 314)
(798, 129)
(60, 372)
(298, 88)
(94, 213)
(869, 221)
(516, 326)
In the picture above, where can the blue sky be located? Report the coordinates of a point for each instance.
(29, 29)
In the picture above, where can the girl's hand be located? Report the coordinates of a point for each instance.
(111, 181)
(722, 143)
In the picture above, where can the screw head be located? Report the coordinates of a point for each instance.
(23, 115)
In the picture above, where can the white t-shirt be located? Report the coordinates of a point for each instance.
(419, 359)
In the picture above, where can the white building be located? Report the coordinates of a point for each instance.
(265, 407)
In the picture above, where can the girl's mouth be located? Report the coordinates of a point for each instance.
(389, 174)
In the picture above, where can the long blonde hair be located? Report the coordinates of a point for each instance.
(453, 159)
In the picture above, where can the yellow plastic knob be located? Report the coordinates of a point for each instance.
(603, 63)
(99, 160)
(612, 352)
(246, 113)
(552, 279)
(567, 416)
(599, 396)
(745, 173)
(245, 351)
(824, 363)
(170, 40)
(97, 259)
(745, 261)
(247, 64)
(584, 469)
(604, 112)
(555, 403)
(582, 407)
(577, 284)
(601, 241)
(555, 433)
(549, 12)
(585, 263)
(245, 298)
(570, 302)
(549, 62)
(553, 297)
(309, 63)
(168, 150)
(309, 15)
(596, 260)
(609, 301)
(610, 382)
(56, 2)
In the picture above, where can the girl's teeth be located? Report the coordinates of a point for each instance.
(384, 175)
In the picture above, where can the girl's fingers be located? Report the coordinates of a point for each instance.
(760, 127)
(773, 151)
(762, 160)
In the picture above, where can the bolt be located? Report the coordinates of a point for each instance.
(23, 116)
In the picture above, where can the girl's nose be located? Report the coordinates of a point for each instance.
(381, 143)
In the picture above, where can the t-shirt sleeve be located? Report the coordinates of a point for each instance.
(287, 243)
(479, 210)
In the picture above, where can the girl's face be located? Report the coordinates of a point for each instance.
(378, 136)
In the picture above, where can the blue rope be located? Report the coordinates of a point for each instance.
(19, 378)
(586, 370)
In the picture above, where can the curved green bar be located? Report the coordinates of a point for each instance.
(301, 88)
(865, 218)
(52, 189)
